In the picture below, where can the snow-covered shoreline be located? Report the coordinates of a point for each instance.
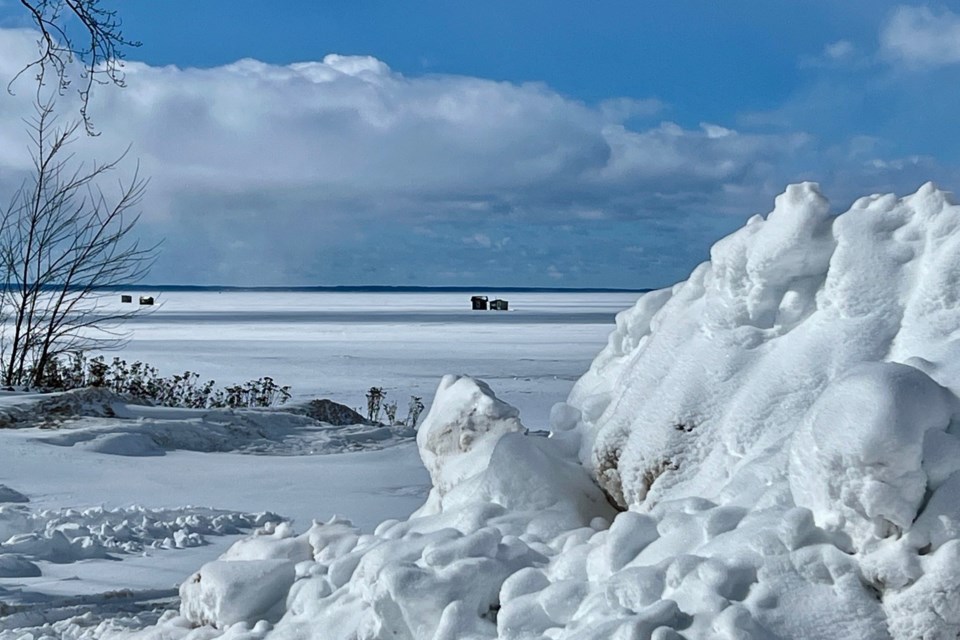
(404, 343)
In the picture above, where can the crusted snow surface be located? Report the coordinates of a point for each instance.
(767, 450)
(28, 536)
(33, 541)
(104, 422)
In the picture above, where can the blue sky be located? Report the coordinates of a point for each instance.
(505, 143)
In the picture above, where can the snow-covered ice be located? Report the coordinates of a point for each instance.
(75, 467)
(338, 345)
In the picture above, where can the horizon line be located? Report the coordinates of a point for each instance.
(373, 288)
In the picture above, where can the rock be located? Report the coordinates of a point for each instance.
(16, 566)
(11, 495)
(329, 411)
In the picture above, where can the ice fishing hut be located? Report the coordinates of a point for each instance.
(125, 298)
(499, 305)
(479, 303)
(146, 300)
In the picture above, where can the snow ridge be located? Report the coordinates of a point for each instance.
(102, 421)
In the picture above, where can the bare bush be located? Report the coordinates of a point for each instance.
(375, 398)
(62, 241)
(143, 382)
(413, 411)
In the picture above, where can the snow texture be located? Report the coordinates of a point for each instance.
(101, 421)
(769, 449)
(71, 535)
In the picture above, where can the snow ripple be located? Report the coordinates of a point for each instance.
(70, 535)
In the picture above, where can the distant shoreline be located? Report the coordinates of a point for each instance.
(365, 289)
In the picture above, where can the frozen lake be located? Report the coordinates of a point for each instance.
(338, 345)
(334, 345)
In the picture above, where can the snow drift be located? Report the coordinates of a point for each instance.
(96, 419)
(767, 450)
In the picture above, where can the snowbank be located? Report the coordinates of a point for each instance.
(104, 422)
(767, 450)
(810, 365)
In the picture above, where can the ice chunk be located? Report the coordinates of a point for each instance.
(465, 422)
(224, 592)
(16, 566)
(855, 462)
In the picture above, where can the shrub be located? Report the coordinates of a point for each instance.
(144, 382)
(414, 411)
(390, 410)
(374, 403)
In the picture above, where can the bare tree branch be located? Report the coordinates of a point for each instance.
(80, 31)
(62, 241)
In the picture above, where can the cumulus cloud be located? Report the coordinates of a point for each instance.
(920, 36)
(345, 171)
(348, 135)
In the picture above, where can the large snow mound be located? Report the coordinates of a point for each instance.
(785, 326)
(767, 450)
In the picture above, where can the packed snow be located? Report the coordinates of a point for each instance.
(135, 430)
(770, 449)
(70, 535)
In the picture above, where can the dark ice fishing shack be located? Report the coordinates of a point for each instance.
(482, 303)
(499, 305)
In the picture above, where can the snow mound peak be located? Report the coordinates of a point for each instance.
(458, 435)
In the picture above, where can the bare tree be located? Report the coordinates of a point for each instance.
(62, 240)
(81, 31)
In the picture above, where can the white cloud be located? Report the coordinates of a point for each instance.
(329, 171)
(349, 129)
(919, 36)
(840, 54)
(622, 109)
(839, 50)
(716, 131)
(479, 239)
